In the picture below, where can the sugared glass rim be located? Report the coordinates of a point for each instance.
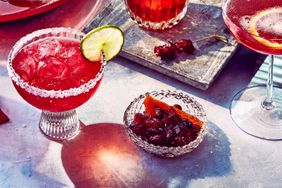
(43, 92)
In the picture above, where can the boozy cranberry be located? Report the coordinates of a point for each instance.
(185, 45)
(179, 141)
(138, 129)
(158, 50)
(187, 124)
(152, 122)
(166, 52)
(138, 118)
(178, 106)
(159, 113)
(157, 140)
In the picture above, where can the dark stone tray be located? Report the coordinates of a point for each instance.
(202, 19)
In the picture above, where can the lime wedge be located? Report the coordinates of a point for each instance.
(107, 39)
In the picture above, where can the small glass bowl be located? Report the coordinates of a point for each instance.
(188, 104)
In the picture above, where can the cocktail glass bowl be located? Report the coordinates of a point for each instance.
(58, 120)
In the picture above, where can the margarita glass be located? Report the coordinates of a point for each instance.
(257, 24)
(50, 73)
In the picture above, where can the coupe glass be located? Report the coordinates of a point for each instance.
(257, 24)
(58, 118)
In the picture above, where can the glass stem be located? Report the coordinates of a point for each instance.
(268, 102)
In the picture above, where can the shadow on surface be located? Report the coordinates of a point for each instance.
(23, 148)
(262, 73)
(103, 156)
(237, 74)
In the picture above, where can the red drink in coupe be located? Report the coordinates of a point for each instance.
(157, 14)
(256, 23)
(55, 64)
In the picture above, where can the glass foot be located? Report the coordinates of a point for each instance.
(59, 125)
(249, 115)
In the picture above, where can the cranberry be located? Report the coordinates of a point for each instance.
(138, 118)
(187, 124)
(153, 122)
(179, 141)
(176, 130)
(181, 44)
(137, 129)
(178, 106)
(169, 134)
(197, 128)
(158, 50)
(190, 135)
(185, 45)
(168, 53)
(159, 113)
(156, 139)
(147, 115)
(154, 131)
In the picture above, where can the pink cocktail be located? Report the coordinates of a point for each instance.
(257, 24)
(49, 72)
(257, 27)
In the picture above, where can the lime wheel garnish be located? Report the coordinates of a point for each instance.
(107, 40)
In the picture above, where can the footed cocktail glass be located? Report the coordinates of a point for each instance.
(257, 24)
(50, 73)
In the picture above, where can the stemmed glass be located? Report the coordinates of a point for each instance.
(257, 24)
(54, 78)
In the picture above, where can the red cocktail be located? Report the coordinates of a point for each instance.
(257, 24)
(157, 14)
(257, 27)
(54, 64)
(49, 72)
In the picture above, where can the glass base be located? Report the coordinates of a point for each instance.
(157, 25)
(59, 125)
(249, 115)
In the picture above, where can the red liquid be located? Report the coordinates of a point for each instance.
(239, 14)
(55, 64)
(156, 10)
(25, 3)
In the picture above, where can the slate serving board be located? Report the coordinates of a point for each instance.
(203, 18)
